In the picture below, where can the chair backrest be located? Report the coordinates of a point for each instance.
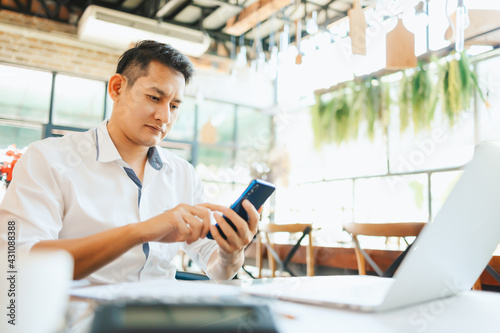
(291, 228)
(404, 229)
(266, 229)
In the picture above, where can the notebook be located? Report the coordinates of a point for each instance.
(447, 257)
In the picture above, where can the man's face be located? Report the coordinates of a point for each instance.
(146, 112)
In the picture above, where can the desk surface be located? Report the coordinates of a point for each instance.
(473, 311)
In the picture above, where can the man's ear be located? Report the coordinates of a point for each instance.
(116, 86)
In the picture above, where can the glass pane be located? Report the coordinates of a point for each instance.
(361, 157)
(215, 164)
(25, 94)
(184, 153)
(253, 128)
(109, 106)
(326, 204)
(441, 185)
(221, 193)
(251, 164)
(391, 199)
(489, 119)
(21, 136)
(442, 146)
(78, 102)
(215, 122)
(183, 129)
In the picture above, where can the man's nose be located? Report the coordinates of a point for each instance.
(163, 114)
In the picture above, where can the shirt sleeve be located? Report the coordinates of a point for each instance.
(33, 202)
(200, 251)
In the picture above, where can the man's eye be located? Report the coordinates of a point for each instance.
(174, 107)
(154, 98)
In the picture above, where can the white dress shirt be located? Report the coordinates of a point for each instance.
(79, 185)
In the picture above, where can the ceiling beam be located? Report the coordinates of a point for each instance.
(253, 14)
(168, 8)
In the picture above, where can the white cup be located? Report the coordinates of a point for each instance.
(35, 295)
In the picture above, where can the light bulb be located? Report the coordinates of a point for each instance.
(241, 57)
(312, 23)
(284, 38)
(416, 19)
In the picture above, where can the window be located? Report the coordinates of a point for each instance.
(389, 176)
(441, 185)
(489, 119)
(222, 193)
(327, 204)
(391, 199)
(19, 134)
(183, 129)
(78, 102)
(215, 163)
(357, 158)
(25, 94)
(109, 106)
(216, 122)
(253, 129)
(442, 146)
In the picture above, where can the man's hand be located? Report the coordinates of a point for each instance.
(236, 240)
(182, 223)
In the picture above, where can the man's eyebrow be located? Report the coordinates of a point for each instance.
(159, 91)
(162, 93)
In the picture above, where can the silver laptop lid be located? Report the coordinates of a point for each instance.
(451, 252)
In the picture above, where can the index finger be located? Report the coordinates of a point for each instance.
(204, 214)
(212, 206)
(253, 214)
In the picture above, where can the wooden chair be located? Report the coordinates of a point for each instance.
(273, 257)
(380, 229)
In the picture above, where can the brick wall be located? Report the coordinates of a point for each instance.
(42, 43)
(45, 44)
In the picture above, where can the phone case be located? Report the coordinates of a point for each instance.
(257, 193)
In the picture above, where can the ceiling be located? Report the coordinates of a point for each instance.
(210, 16)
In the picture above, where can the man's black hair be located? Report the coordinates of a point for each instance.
(134, 63)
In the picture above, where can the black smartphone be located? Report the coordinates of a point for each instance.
(257, 193)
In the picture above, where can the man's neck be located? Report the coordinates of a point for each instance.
(135, 155)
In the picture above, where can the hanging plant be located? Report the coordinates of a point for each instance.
(336, 116)
(424, 97)
(404, 99)
(451, 95)
(417, 98)
(341, 126)
(357, 106)
(320, 120)
(373, 105)
(458, 85)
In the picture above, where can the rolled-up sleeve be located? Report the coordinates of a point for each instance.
(200, 251)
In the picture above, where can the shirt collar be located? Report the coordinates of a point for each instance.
(154, 158)
(107, 152)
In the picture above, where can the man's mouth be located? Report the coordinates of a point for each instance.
(156, 128)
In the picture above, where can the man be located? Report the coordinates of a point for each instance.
(119, 204)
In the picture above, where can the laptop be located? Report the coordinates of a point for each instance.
(447, 257)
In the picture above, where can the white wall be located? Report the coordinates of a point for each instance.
(244, 88)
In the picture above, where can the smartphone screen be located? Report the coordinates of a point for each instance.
(257, 192)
